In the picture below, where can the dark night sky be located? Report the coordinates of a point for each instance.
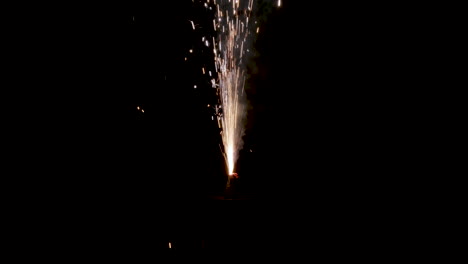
(141, 63)
(325, 120)
(312, 94)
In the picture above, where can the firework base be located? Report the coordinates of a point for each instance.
(230, 193)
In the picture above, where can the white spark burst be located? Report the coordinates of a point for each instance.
(234, 37)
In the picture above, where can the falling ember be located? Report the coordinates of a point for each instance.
(233, 39)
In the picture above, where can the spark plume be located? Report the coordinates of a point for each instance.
(233, 39)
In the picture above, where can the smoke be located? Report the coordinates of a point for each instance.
(255, 14)
(262, 13)
(264, 8)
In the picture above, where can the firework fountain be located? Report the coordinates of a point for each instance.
(232, 43)
(233, 27)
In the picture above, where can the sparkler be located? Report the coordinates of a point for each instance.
(233, 39)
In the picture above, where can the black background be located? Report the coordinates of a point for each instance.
(322, 125)
(322, 92)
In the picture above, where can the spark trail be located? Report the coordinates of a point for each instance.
(233, 27)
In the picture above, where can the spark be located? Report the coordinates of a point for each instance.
(193, 25)
(170, 245)
(191, 50)
(203, 70)
(279, 3)
(194, 87)
(138, 108)
(142, 110)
